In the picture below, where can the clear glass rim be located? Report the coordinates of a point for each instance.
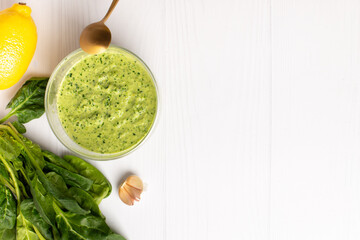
(90, 154)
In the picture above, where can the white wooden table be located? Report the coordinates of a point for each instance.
(259, 131)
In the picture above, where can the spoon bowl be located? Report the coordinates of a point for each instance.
(96, 37)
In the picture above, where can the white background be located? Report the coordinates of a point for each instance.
(259, 131)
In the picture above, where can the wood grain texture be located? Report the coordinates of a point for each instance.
(315, 140)
(217, 63)
(259, 129)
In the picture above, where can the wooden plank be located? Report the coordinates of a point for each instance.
(315, 121)
(217, 119)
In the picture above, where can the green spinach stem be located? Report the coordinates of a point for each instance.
(7, 116)
(7, 184)
(12, 174)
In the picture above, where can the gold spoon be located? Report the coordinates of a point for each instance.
(96, 37)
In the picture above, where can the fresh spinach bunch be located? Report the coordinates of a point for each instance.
(44, 196)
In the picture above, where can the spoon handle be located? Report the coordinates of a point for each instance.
(111, 8)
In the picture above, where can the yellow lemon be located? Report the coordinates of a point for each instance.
(17, 43)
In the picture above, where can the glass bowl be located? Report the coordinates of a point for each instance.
(52, 114)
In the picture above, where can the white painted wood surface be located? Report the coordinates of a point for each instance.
(259, 130)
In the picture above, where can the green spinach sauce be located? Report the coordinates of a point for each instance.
(107, 102)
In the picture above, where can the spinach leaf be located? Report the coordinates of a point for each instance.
(30, 213)
(101, 187)
(38, 233)
(23, 189)
(7, 208)
(12, 144)
(28, 102)
(36, 158)
(57, 180)
(19, 127)
(55, 185)
(72, 179)
(54, 159)
(56, 233)
(8, 234)
(85, 200)
(78, 227)
(24, 229)
(3, 172)
(5, 180)
(10, 148)
(42, 201)
(7, 184)
(14, 181)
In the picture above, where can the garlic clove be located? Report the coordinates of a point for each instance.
(125, 197)
(133, 192)
(135, 182)
(131, 189)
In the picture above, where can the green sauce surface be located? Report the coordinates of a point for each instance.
(107, 102)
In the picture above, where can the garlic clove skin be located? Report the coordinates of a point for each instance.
(131, 189)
